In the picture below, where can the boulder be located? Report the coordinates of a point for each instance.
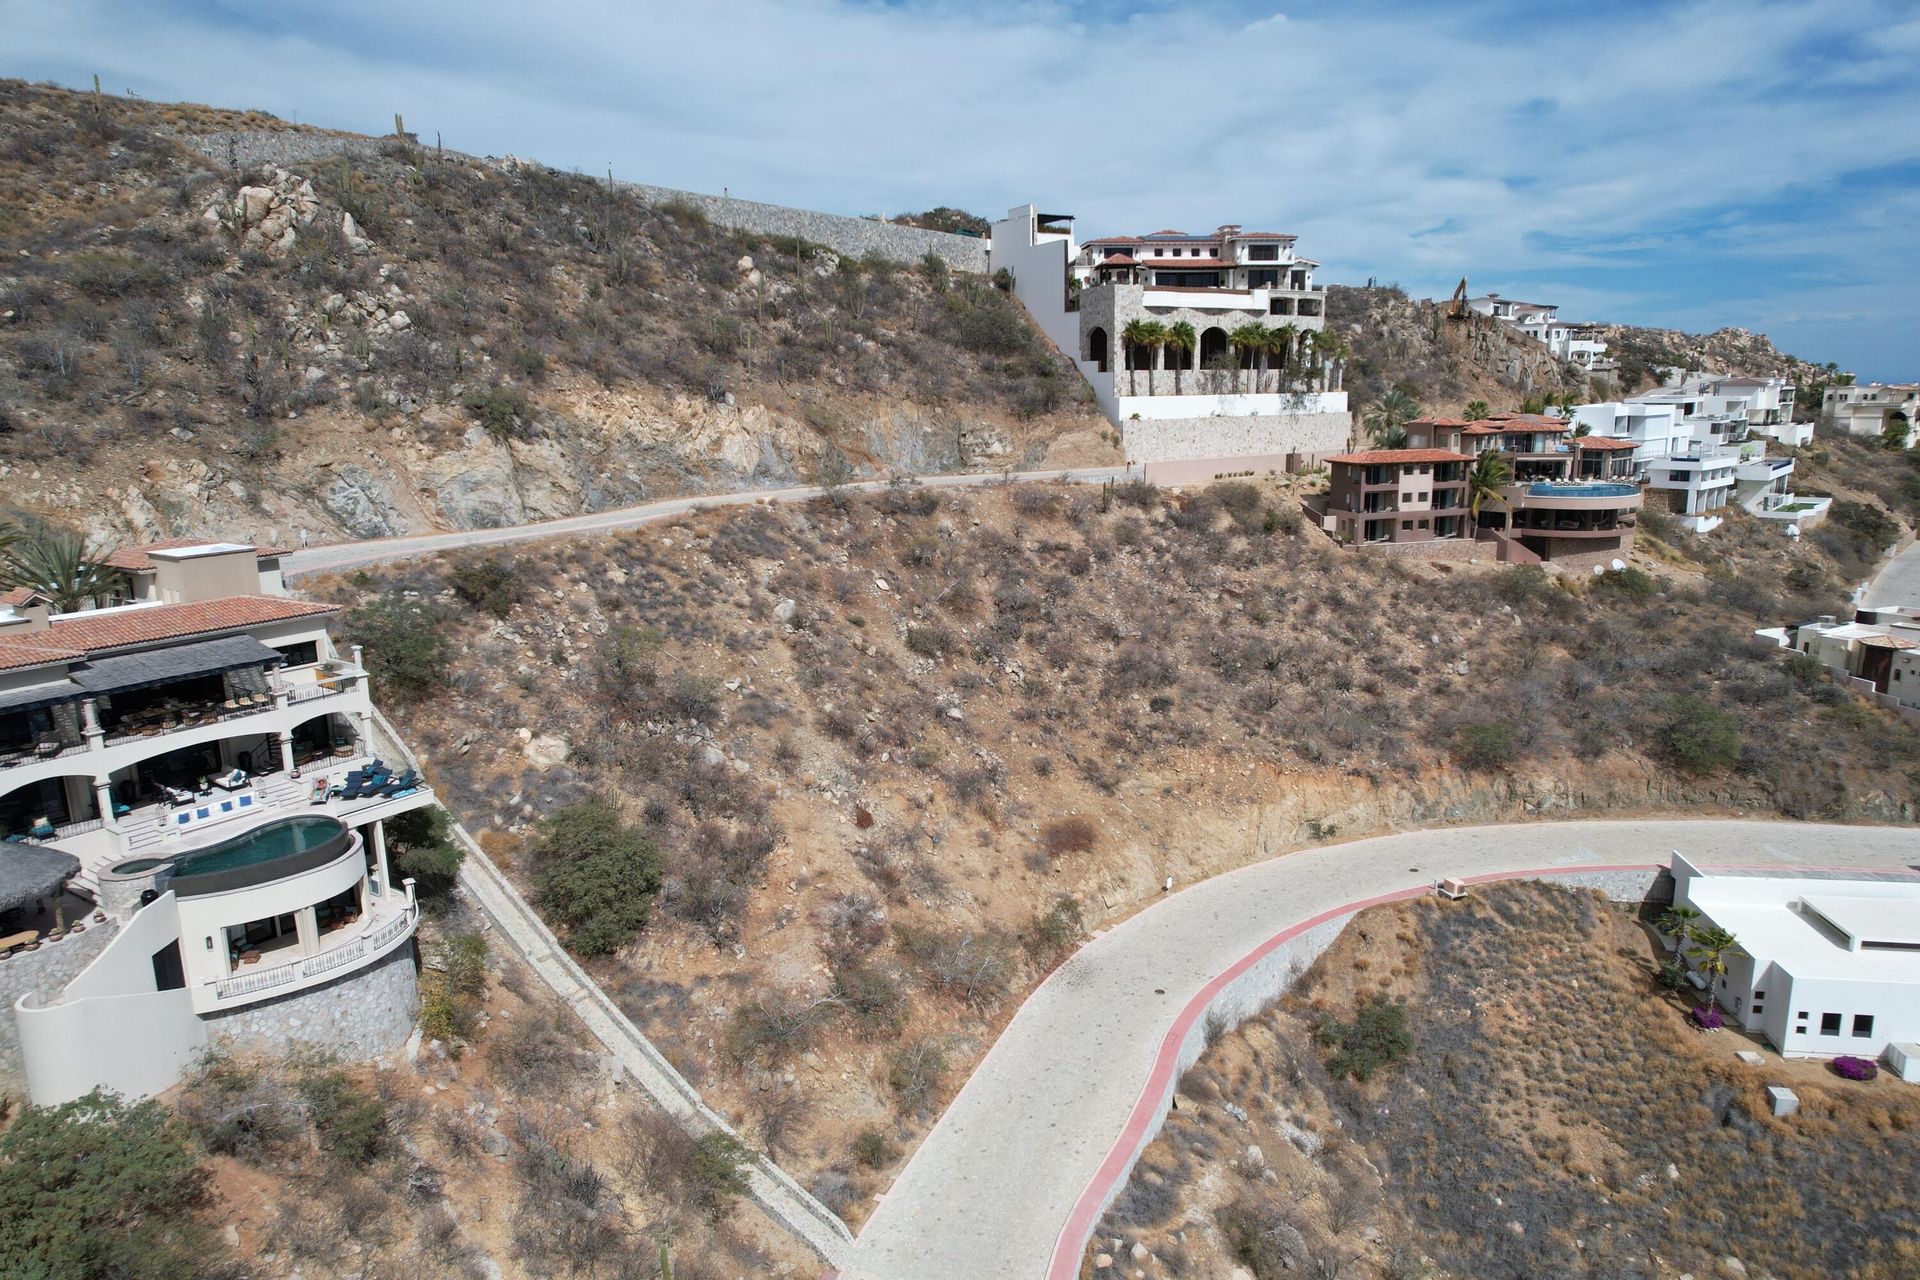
(547, 750)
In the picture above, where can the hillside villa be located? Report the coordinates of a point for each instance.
(1867, 408)
(194, 842)
(1579, 344)
(1826, 964)
(1253, 389)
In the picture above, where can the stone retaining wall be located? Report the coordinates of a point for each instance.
(1225, 439)
(46, 972)
(853, 237)
(367, 1014)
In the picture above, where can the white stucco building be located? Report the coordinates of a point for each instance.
(1826, 964)
(187, 777)
(1221, 404)
(1865, 409)
(1577, 342)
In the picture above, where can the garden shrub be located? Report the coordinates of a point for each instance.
(1708, 1017)
(420, 847)
(1855, 1068)
(407, 652)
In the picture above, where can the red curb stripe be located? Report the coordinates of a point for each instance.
(1072, 1242)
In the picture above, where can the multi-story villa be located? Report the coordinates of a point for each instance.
(195, 763)
(1569, 498)
(1251, 386)
(1579, 343)
(1865, 409)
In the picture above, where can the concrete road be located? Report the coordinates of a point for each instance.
(1898, 581)
(989, 1191)
(352, 555)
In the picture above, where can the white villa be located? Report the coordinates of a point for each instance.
(1187, 413)
(194, 844)
(1826, 965)
(1865, 409)
(1580, 343)
(1879, 651)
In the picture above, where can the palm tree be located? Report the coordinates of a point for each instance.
(1675, 921)
(1247, 339)
(1137, 337)
(1708, 947)
(1386, 422)
(1485, 479)
(1155, 335)
(1180, 340)
(1286, 342)
(1331, 347)
(1478, 409)
(59, 565)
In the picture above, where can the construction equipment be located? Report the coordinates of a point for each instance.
(1458, 309)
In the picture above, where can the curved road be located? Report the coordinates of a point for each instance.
(352, 555)
(991, 1188)
(1898, 581)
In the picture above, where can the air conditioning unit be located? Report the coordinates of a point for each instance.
(1451, 889)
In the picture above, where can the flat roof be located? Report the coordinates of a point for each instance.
(1804, 923)
(1871, 919)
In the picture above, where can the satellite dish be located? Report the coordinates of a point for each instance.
(1619, 566)
(1599, 569)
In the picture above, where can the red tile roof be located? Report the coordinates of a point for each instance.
(1186, 263)
(15, 654)
(1387, 457)
(119, 628)
(17, 596)
(1119, 260)
(136, 559)
(1601, 442)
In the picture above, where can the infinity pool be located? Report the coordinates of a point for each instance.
(1591, 489)
(296, 843)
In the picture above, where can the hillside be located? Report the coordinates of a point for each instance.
(1528, 1132)
(401, 339)
(896, 752)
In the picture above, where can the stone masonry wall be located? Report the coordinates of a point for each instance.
(1177, 439)
(853, 237)
(45, 972)
(367, 1014)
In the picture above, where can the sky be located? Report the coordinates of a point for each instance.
(1692, 165)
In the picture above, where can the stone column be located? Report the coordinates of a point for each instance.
(380, 857)
(286, 752)
(103, 797)
(90, 723)
(307, 925)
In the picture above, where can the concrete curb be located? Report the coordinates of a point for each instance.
(771, 1187)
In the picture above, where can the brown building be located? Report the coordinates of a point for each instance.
(1398, 495)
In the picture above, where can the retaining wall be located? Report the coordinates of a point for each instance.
(1226, 439)
(44, 972)
(366, 1015)
(851, 236)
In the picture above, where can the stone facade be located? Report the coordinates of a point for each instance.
(853, 237)
(46, 972)
(1312, 435)
(367, 1014)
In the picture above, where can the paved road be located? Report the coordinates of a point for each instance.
(989, 1191)
(1898, 581)
(351, 555)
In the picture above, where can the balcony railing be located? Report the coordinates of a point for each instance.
(268, 978)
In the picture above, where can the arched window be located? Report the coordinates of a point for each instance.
(1097, 348)
(1213, 347)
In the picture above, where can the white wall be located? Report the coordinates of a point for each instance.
(1232, 405)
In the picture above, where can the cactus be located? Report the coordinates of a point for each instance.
(666, 1263)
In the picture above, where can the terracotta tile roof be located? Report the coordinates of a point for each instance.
(136, 559)
(1889, 642)
(16, 596)
(120, 628)
(1600, 442)
(1439, 422)
(15, 654)
(1184, 264)
(1119, 260)
(1387, 457)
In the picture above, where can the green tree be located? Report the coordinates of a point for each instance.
(1485, 746)
(421, 847)
(1675, 921)
(1477, 409)
(595, 876)
(407, 649)
(1699, 737)
(1137, 337)
(1330, 346)
(1708, 947)
(1180, 340)
(1386, 421)
(1895, 434)
(1246, 340)
(1154, 335)
(59, 564)
(1488, 475)
(97, 1187)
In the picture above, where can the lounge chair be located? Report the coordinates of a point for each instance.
(405, 782)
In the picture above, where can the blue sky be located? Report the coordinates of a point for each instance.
(1722, 162)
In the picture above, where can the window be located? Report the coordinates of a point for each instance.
(1408, 524)
(1758, 1008)
(1423, 497)
(1862, 1025)
(1759, 995)
(1406, 497)
(1263, 253)
(1829, 1024)
(1423, 524)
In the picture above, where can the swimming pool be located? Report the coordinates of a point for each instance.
(275, 849)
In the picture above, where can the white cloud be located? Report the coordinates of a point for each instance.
(1356, 128)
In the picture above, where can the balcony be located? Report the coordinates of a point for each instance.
(281, 971)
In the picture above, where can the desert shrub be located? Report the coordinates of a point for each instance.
(351, 1123)
(503, 412)
(872, 1149)
(595, 876)
(1138, 493)
(914, 1071)
(451, 988)
(929, 640)
(1698, 737)
(1056, 929)
(716, 1173)
(1063, 836)
(489, 583)
(238, 1110)
(872, 994)
(101, 1188)
(407, 651)
(1378, 1037)
(1849, 1067)
(114, 275)
(421, 847)
(973, 968)
(773, 1028)
(1628, 583)
(1485, 746)
(1260, 1234)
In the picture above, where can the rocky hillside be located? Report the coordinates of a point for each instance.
(1641, 351)
(892, 755)
(400, 339)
